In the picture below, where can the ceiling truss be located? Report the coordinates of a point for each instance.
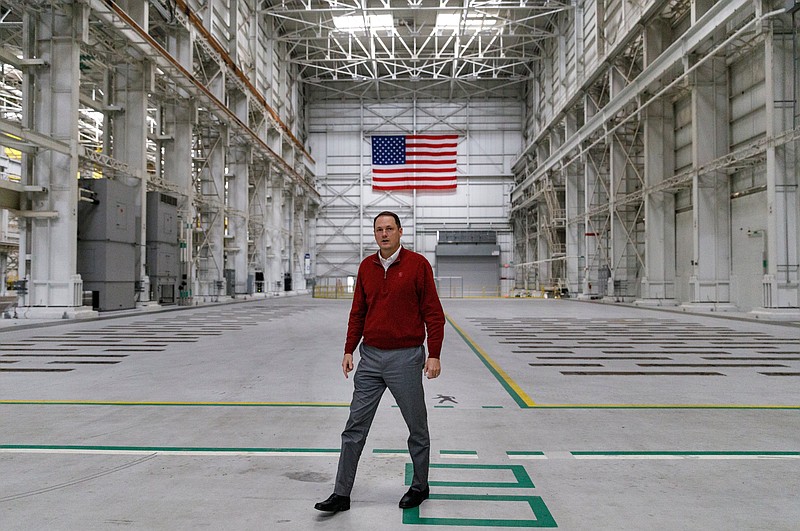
(485, 44)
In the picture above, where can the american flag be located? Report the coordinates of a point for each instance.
(406, 162)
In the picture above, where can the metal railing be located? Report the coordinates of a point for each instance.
(333, 288)
(447, 287)
(450, 287)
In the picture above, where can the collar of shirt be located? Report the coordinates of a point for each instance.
(386, 262)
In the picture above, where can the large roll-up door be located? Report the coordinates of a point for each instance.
(468, 264)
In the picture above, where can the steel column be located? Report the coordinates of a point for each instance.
(782, 278)
(178, 121)
(658, 281)
(131, 87)
(55, 100)
(238, 179)
(274, 274)
(572, 207)
(710, 281)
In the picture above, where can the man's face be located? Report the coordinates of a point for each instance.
(387, 234)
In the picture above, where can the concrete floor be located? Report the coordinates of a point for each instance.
(549, 413)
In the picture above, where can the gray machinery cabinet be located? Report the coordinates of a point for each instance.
(163, 252)
(107, 243)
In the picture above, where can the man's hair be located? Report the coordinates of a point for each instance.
(387, 213)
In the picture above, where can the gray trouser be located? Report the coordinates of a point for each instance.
(401, 371)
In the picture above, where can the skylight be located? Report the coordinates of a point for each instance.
(355, 23)
(474, 21)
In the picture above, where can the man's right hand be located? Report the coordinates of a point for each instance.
(347, 363)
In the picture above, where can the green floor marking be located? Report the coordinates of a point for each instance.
(542, 516)
(666, 406)
(665, 454)
(457, 452)
(491, 407)
(523, 480)
(390, 451)
(511, 387)
(512, 454)
(65, 448)
(525, 402)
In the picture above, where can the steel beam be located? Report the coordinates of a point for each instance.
(140, 40)
(698, 33)
(27, 140)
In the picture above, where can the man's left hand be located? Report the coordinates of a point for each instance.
(433, 368)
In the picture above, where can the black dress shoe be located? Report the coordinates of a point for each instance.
(414, 497)
(334, 504)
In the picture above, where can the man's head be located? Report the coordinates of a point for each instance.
(387, 232)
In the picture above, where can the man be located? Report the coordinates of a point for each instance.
(395, 303)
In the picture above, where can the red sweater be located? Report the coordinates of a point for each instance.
(394, 308)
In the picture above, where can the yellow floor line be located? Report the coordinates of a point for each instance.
(668, 406)
(525, 401)
(516, 392)
(169, 403)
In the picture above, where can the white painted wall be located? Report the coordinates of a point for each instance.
(339, 141)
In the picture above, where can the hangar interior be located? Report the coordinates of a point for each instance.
(618, 257)
(634, 150)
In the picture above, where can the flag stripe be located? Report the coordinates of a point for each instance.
(414, 170)
(405, 178)
(432, 137)
(418, 187)
(449, 155)
(422, 162)
(429, 145)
